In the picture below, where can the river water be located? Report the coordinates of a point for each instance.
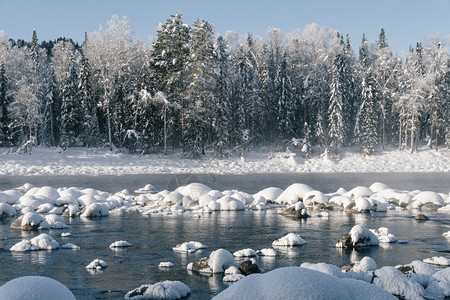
(153, 237)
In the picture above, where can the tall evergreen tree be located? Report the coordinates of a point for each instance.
(367, 115)
(52, 113)
(336, 128)
(4, 118)
(70, 108)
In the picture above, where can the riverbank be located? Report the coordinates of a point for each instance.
(82, 161)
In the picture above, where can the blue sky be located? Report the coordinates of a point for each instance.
(405, 22)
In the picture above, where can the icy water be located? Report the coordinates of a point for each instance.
(153, 238)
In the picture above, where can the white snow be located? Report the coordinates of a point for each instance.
(366, 264)
(267, 252)
(427, 197)
(97, 264)
(245, 253)
(294, 282)
(7, 210)
(164, 290)
(291, 239)
(219, 260)
(189, 247)
(36, 288)
(70, 246)
(96, 210)
(120, 244)
(166, 264)
(233, 277)
(438, 260)
(40, 242)
(324, 268)
(361, 237)
(232, 270)
(396, 283)
(439, 285)
(384, 235)
(445, 234)
(293, 193)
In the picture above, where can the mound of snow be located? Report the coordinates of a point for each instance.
(48, 192)
(70, 246)
(438, 260)
(189, 247)
(324, 268)
(366, 264)
(294, 282)
(230, 203)
(291, 239)
(40, 242)
(166, 264)
(378, 186)
(96, 210)
(427, 197)
(97, 264)
(314, 197)
(148, 188)
(384, 235)
(439, 285)
(55, 222)
(10, 196)
(6, 210)
(267, 252)
(362, 204)
(30, 221)
(293, 193)
(166, 290)
(220, 260)
(194, 190)
(342, 201)
(35, 287)
(359, 236)
(270, 193)
(359, 191)
(245, 253)
(120, 244)
(418, 271)
(233, 277)
(396, 283)
(232, 270)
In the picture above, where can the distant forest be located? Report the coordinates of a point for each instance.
(196, 91)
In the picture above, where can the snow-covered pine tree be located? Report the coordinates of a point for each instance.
(364, 53)
(4, 119)
(336, 132)
(52, 113)
(367, 115)
(199, 92)
(222, 112)
(70, 108)
(286, 101)
(90, 134)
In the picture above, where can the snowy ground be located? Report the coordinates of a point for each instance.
(82, 161)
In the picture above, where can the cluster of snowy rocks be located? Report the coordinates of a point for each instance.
(296, 200)
(39, 208)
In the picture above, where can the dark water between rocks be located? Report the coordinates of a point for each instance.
(153, 237)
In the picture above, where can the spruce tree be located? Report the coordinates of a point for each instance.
(336, 128)
(367, 115)
(4, 119)
(70, 109)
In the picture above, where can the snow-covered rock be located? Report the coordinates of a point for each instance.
(194, 190)
(30, 221)
(314, 197)
(233, 277)
(384, 235)
(7, 210)
(40, 242)
(431, 200)
(120, 244)
(165, 290)
(418, 271)
(294, 282)
(218, 261)
(189, 247)
(148, 188)
(36, 288)
(359, 236)
(291, 239)
(270, 193)
(438, 260)
(97, 264)
(166, 264)
(366, 264)
(245, 253)
(362, 204)
(267, 252)
(96, 210)
(293, 193)
(324, 268)
(396, 283)
(378, 186)
(10, 196)
(70, 246)
(359, 191)
(439, 285)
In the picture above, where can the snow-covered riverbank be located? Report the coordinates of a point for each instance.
(82, 161)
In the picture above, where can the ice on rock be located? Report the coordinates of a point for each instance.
(438, 260)
(35, 287)
(290, 239)
(445, 234)
(293, 193)
(97, 264)
(294, 282)
(384, 235)
(396, 283)
(189, 247)
(245, 253)
(267, 252)
(120, 244)
(40, 242)
(165, 290)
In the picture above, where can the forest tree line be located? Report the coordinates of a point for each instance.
(194, 90)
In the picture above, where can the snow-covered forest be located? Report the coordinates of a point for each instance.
(194, 90)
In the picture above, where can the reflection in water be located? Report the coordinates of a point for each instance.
(154, 237)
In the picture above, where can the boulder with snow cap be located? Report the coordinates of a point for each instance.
(297, 211)
(384, 235)
(10, 196)
(291, 239)
(313, 198)
(249, 267)
(359, 236)
(270, 193)
(96, 210)
(6, 210)
(359, 191)
(218, 261)
(396, 283)
(438, 286)
(294, 193)
(165, 290)
(48, 192)
(418, 271)
(427, 201)
(194, 190)
(35, 287)
(30, 221)
(378, 186)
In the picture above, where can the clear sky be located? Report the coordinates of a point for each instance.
(405, 21)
